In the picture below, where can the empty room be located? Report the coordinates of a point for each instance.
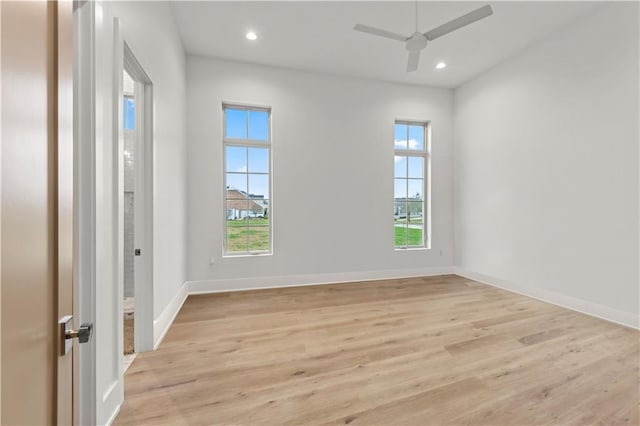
(320, 212)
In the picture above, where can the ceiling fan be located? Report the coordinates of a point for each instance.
(418, 41)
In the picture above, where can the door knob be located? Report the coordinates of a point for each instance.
(83, 334)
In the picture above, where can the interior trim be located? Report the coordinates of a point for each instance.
(162, 324)
(256, 283)
(627, 319)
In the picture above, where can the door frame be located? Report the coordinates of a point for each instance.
(84, 118)
(143, 201)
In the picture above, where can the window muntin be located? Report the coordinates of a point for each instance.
(247, 180)
(410, 188)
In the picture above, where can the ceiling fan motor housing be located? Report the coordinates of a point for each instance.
(417, 41)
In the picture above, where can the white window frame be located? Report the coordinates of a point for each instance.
(425, 154)
(249, 143)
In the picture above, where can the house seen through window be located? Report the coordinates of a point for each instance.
(247, 179)
(410, 167)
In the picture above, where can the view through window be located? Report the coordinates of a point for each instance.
(410, 162)
(247, 152)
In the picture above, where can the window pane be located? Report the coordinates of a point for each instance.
(415, 222)
(416, 137)
(400, 169)
(416, 167)
(400, 229)
(254, 208)
(415, 189)
(400, 188)
(258, 160)
(414, 236)
(258, 238)
(414, 211)
(258, 221)
(238, 208)
(234, 194)
(236, 159)
(400, 132)
(237, 236)
(259, 211)
(259, 125)
(259, 186)
(237, 182)
(400, 210)
(236, 123)
(128, 113)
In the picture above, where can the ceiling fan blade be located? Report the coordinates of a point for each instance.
(414, 58)
(460, 22)
(378, 32)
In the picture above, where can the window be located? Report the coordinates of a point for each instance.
(128, 103)
(411, 162)
(128, 112)
(247, 180)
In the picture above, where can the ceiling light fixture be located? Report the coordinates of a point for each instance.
(251, 35)
(441, 66)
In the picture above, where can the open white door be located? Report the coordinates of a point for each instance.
(109, 219)
(99, 205)
(102, 56)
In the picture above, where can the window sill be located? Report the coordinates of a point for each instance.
(412, 248)
(234, 256)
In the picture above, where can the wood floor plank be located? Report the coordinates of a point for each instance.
(419, 351)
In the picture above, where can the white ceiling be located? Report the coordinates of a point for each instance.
(319, 36)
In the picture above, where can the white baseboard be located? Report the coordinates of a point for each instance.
(243, 284)
(113, 416)
(627, 319)
(163, 322)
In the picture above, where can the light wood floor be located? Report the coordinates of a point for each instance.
(423, 351)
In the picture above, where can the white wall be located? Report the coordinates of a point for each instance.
(546, 148)
(332, 158)
(150, 31)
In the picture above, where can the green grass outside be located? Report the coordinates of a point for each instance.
(256, 230)
(414, 236)
(242, 223)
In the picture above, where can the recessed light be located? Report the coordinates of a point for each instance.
(441, 66)
(251, 35)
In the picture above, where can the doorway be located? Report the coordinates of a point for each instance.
(136, 212)
(129, 179)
